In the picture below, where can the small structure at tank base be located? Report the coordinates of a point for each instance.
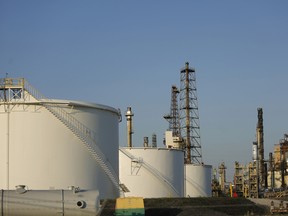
(130, 206)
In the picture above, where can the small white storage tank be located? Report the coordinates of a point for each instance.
(53, 144)
(198, 180)
(152, 172)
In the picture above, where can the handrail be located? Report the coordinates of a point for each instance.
(152, 170)
(79, 129)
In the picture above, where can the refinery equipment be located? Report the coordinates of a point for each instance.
(146, 142)
(278, 164)
(253, 180)
(190, 127)
(260, 147)
(172, 171)
(173, 137)
(151, 171)
(129, 116)
(250, 180)
(262, 181)
(154, 140)
(173, 117)
(198, 180)
(53, 144)
(222, 175)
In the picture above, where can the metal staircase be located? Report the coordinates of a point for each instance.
(85, 134)
(153, 171)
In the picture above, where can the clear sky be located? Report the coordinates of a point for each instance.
(129, 53)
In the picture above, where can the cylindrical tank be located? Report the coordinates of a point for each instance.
(23, 202)
(152, 172)
(198, 180)
(46, 151)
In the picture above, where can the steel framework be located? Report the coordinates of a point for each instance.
(189, 116)
(173, 118)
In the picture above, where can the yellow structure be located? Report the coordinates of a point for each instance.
(130, 206)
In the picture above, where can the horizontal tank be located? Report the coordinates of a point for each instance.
(152, 172)
(22, 202)
(198, 180)
(52, 144)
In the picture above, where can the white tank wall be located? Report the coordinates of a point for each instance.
(152, 172)
(198, 180)
(39, 151)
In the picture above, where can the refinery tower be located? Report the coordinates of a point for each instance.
(184, 134)
(184, 124)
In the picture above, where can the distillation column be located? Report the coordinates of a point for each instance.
(260, 145)
(173, 117)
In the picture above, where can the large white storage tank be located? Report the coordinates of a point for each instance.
(54, 144)
(198, 182)
(152, 172)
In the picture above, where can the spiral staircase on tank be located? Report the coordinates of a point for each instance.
(14, 88)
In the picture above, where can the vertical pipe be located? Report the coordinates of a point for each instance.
(271, 170)
(260, 141)
(129, 115)
(154, 140)
(8, 149)
(146, 142)
(265, 175)
(283, 174)
(187, 110)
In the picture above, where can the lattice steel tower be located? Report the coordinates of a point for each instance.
(189, 116)
(173, 118)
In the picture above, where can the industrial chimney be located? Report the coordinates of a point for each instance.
(129, 115)
(260, 143)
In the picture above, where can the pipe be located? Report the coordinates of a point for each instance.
(271, 167)
(49, 202)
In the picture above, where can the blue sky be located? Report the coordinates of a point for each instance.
(129, 53)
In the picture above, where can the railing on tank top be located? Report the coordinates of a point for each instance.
(78, 128)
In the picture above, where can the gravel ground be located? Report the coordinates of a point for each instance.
(198, 206)
(266, 202)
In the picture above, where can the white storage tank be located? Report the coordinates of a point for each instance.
(53, 144)
(198, 180)
(152, 172)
